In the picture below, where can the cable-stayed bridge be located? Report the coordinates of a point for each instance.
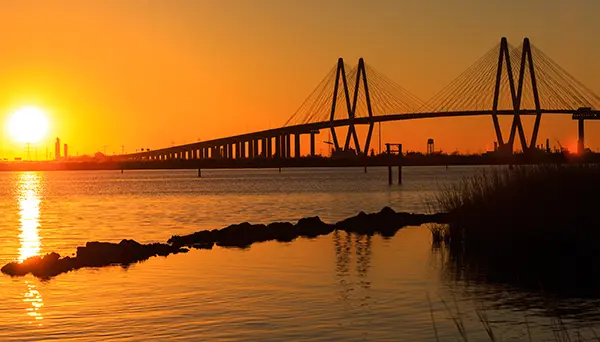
(508, 80)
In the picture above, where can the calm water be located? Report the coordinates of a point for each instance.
(335, 287)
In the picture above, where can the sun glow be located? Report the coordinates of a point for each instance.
(28, 125)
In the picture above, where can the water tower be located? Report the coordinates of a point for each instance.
(430, 147)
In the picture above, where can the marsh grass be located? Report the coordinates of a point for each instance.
(538, 224)
(557, 328)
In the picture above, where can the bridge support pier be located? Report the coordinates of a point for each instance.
(270, 147)
(263, 149)
(297, 146)
(251, 149)
(288, 146)
(255, 146)
(580, 137)
(278, 146)
(312, 144)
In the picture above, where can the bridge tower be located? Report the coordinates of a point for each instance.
(351, 107)
(516, 92)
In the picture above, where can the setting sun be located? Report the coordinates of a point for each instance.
(28, 125)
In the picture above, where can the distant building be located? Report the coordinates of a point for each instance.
(57, 149)
(66, 151)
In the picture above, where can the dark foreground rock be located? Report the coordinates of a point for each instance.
(386, 222)
(93, 254)
(99, 254)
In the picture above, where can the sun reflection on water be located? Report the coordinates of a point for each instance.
(33, 297)
(29, 216)
(29, 212)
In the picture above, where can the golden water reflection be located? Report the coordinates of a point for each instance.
(29, 214)
(32, 296)
(30, 242)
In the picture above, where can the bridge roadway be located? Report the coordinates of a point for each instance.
(276, 142)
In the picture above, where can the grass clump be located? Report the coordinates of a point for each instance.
(533, 223)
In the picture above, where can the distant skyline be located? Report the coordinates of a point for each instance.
(155, 73)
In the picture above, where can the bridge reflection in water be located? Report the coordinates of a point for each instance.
(353, 248)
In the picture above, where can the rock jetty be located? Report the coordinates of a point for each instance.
(99, 254)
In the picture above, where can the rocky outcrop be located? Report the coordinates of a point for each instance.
(386, 222)
(93, 254)
(99, 254)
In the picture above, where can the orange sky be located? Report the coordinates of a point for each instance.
(159, 72)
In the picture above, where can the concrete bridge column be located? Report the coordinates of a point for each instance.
(283, 146)
(250, 149)
(288, 145)
(247, 149)
(312, 144)
(297, 145)
(278, 147)
(255, 144)
(237, 150)
(270, 147)
(263, 149)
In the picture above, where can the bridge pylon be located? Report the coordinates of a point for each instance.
(516, 96)
(361, 77)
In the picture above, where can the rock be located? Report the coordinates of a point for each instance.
(93, 254)
(312, 227)
(100, 254)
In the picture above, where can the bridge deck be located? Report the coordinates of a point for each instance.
(311, 127)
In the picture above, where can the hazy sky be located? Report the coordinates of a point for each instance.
(150, 73)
